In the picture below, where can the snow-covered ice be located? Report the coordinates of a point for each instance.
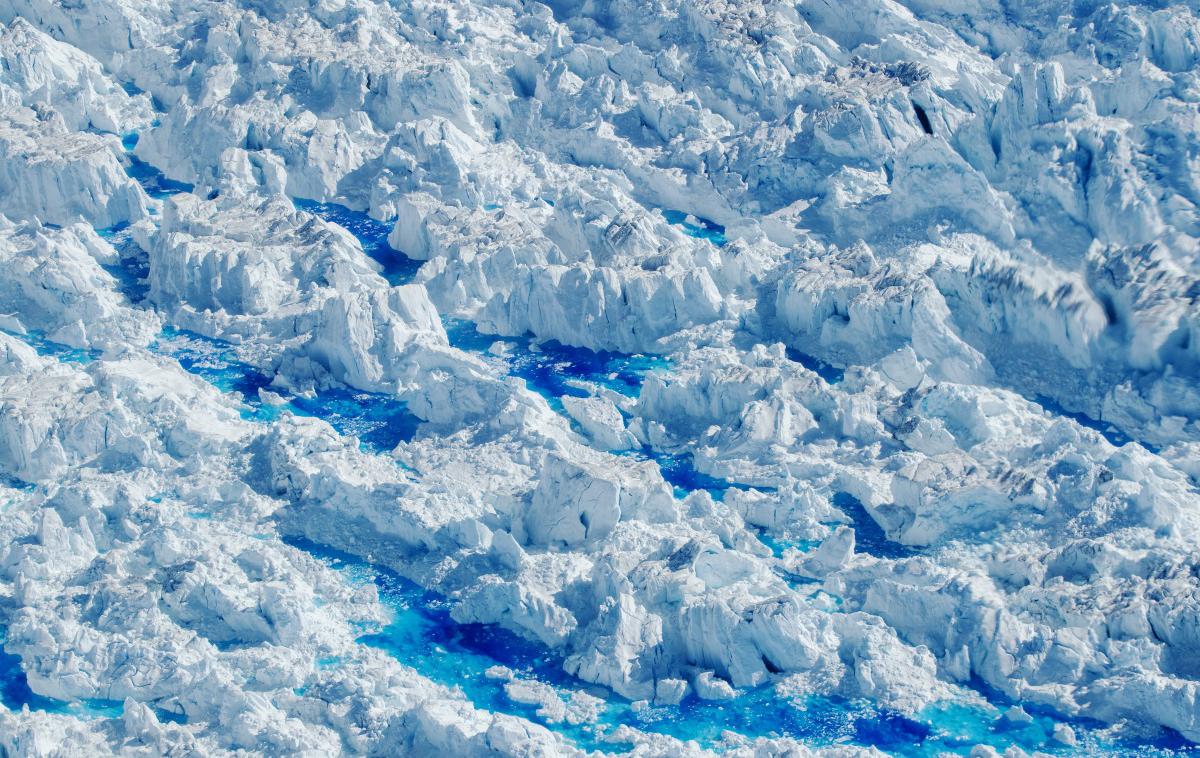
(536, 379)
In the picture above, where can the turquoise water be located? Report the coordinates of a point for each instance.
(778, 543)
(702, 229)
(960, 724)
(50, 349)
(422, 635)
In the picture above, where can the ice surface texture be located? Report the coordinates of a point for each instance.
(455, 378)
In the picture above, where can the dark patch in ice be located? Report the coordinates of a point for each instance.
(923, 117)
(684, 556)
(905, 72)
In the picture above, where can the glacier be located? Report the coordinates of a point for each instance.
(676, 378)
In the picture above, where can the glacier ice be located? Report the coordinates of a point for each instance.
(671, 378)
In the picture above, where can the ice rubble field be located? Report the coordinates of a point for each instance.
(667, 379)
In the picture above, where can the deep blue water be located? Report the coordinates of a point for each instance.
(132, 271)
(422, 634)
(550, 368)
(869, 536)
(215, 361)
(17, 484)
(1168, 742)
(679, 470)
(379, 421)
(1114, 435)
(398, 268)
(153, 181)
(15, 693)
(830, 373)
(14, 685)
(703, 229)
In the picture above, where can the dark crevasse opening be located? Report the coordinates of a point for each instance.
(923, 117)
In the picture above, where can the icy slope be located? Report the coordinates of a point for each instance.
(525, 379)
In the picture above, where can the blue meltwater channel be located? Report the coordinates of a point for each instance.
(422, 633)
(424, 636)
